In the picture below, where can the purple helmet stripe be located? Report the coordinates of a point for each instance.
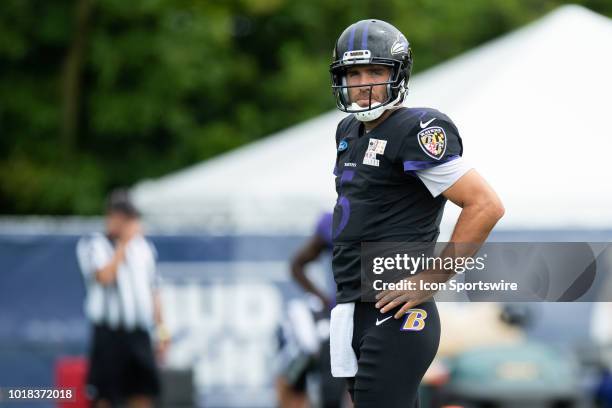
(351, 38)
(364, 36)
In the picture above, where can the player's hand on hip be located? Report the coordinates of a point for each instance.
(390, 299)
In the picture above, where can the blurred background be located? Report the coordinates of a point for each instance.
(219, 118)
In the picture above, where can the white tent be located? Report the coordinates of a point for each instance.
(531, 107)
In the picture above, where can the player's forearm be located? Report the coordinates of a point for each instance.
(157, 310)
(297, 271)
(476, 221)
(162, 334)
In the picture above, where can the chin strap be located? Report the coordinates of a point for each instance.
(377, 109)
(369, 115)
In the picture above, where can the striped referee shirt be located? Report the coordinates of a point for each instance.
(128, 302)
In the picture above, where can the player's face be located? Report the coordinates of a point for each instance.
(115, 222)
(364, 75)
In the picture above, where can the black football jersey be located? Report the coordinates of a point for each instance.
(380, 198)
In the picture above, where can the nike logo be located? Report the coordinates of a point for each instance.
(424, 125)
(379, 322)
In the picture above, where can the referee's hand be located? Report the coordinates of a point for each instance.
(130, 230)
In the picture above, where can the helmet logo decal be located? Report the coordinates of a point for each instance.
(400, 46)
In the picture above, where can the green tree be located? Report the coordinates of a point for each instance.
(100, 93)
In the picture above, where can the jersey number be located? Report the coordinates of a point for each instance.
(343, 201)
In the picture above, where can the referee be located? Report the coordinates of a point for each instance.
(122, 303)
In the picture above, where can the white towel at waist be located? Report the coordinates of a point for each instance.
(343, 359)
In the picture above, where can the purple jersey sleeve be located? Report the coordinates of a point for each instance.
(324, 228)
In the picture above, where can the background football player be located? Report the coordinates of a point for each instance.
(297, 359)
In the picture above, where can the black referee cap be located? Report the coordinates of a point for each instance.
(119, 201)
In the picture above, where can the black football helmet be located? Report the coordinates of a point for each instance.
(371, 42)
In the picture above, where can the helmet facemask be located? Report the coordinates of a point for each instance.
(371, 42)
(395, 88)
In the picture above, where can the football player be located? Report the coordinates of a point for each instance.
(295, 363)
(395, 169)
